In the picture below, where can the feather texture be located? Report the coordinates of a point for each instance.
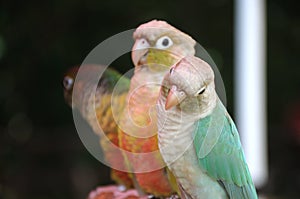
(225, 162)
(82, 97)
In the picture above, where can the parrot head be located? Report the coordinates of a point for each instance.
(190, 83)
(159, 45)
(75, 93)
(90, 80)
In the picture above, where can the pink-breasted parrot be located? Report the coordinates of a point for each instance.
(158, 46)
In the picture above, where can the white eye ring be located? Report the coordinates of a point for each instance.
(68, 82)
(164, 42)
(141, 44)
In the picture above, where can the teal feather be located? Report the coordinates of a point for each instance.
(224, 159)
(111, 77)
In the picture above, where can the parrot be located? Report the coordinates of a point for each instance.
(158, 45)
(197, 138)
(83, 100)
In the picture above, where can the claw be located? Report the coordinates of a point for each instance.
(122, 188)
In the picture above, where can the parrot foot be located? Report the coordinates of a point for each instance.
(173, 196)
(150, 196)
(122, 188)
(114, 192)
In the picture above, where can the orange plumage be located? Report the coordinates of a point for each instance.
(157, 47)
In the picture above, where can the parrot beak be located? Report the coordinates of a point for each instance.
(143, 59)
(173, 98)
(139, 56)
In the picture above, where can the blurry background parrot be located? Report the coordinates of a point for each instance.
(83, 100)
(197, 137)
(158, 45)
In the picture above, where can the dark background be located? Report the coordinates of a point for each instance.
(41, 153)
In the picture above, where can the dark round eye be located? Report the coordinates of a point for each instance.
(201, 91)
(164, 42)
(68, 82)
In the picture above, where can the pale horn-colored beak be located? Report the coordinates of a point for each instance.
(173, 99)
(138, 56)
(143, 59)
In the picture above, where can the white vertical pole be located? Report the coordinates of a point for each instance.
(250, 84)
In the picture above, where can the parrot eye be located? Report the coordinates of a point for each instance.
(164, 42)
(201, 91)
(171, 70)
(68, 82)
(142, 44)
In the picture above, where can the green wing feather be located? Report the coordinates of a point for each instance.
(111, 77)
(224, 158)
